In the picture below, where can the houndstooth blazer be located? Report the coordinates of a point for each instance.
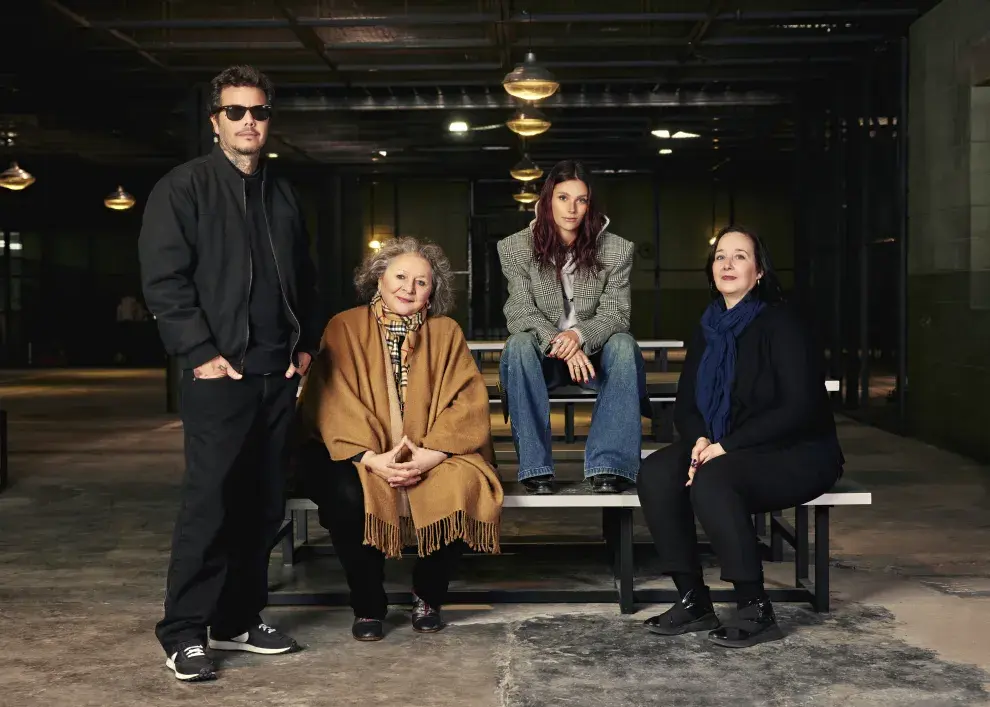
(536, 301)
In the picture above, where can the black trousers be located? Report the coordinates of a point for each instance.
(726, 492)
(233, 503)
(336, 488)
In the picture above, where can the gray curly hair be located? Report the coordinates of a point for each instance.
(370, 271)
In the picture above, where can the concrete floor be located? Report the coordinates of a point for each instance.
(84, 533)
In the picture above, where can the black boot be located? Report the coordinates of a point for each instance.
(368, 629)
(694, 612)
(540, 485)
(608, 483)
(752, 624)
(425, 619)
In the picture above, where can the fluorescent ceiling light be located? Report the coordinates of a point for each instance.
(680, 134)
(666, 151)
(664, 134)
(458, 126)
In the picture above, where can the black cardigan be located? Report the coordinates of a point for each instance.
(778, 396)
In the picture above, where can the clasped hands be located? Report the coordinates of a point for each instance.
(703, 451)
(220, 367)
(566, 346)
(403, 474)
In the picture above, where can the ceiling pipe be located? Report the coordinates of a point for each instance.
(541, 42)
(520, 18)
(568, 100)
(614, 81)
(492, 66)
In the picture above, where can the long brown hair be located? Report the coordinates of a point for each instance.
(549, 250)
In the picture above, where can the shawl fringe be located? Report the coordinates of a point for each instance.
(391, 539)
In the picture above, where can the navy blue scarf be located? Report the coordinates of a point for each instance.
(717, 370)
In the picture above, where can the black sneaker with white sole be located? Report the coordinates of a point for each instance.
(258, 639)
(189, 662)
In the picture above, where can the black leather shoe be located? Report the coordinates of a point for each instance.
(368, 629)
(539, 485)
(608, 483)
(694, 612)
(752, 624)
(426, 619)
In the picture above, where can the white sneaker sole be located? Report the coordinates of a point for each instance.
(247, 647)
(198, 677)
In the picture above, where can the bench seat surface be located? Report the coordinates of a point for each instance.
(579, 495)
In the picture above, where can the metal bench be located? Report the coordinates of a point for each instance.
(617, 522)
(617, 535)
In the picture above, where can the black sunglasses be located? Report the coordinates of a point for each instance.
(235, 113)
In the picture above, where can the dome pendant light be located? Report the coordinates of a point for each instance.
(15, 178)
(527, 195)
(530, 81)
(120, 200)
(528, 121)
(526, 170)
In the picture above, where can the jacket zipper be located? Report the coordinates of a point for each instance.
(247, 317)
(278, 273)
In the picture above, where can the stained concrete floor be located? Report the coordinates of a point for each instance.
(84, 532)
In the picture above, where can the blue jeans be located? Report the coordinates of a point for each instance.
(615, 439)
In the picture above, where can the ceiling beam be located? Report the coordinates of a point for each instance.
(443, 19)
(493, 66)
(308, 38)
(700, 29)
(489, 81)
(537, 42)
(113, 34)
(502, 39)
(503, 101)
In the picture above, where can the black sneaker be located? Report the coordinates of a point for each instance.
(694, 612)
(257, 639)
(189, 662)
(426, 619)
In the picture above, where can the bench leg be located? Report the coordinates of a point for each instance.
(801, 553)
(626, 605)
(288, 542)
(760, 523)
(568, 422)
(821, 559)
(776, 540)
(610, 532)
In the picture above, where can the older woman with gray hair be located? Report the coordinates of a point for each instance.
(403, 454)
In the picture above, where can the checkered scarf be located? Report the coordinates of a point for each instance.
(400, 335)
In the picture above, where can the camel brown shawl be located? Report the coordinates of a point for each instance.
(349, 399)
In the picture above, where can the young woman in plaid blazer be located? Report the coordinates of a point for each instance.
(568, 319)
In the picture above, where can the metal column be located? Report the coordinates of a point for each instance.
(656, 257)
(865, 225)
(902, 235)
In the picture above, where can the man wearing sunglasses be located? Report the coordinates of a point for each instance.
(226, 271)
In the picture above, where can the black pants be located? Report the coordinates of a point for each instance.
(336, 488)
(726, 492)
(232, 504)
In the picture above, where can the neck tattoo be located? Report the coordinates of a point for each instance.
(247, 164)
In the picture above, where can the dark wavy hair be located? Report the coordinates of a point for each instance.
(549, 250)
(237, 76)
(768, 286)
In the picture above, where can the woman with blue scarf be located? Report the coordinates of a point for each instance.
(756, 435)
